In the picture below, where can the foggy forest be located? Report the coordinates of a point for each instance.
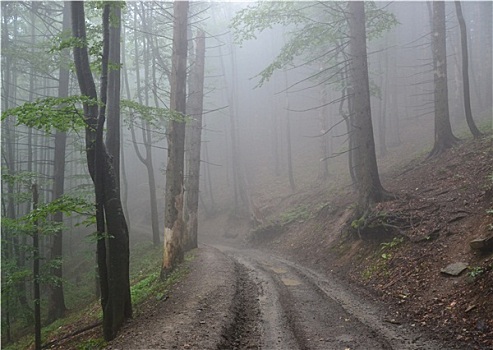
(146, 145)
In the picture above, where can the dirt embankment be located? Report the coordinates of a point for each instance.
(440, 206)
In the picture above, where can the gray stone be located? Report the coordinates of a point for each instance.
(454, 269)
(484, 244)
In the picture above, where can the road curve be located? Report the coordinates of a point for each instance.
(299, 308)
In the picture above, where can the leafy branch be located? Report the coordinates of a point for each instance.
(59, 113)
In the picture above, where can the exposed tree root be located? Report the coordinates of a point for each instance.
(73, 334)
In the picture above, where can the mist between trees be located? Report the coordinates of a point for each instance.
(126, 124)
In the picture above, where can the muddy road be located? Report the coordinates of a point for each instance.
(301, 309)
(247, 299)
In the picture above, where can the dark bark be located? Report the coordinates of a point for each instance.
(173, 224)
(465, 72)
(444, 138)
(195, 106)
(113, 143)
(112, 230)
(368, 183)
(124, 189)
(57, 308)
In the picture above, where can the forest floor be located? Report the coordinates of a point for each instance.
(319, 279)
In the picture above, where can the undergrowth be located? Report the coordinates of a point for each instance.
(145, 268)
(379, 262)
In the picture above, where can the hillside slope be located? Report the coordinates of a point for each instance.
(440, 205)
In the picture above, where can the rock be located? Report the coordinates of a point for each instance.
(483, 244)
(454, 269)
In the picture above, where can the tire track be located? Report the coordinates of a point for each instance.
(302, 309)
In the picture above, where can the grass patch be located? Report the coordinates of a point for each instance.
(145, 268)
(381, 258)
(92, 344)
(300, 213)
(151, 285)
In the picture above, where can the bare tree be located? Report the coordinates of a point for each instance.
(174, 227)
(465, 71)
(195, 106)
(113, 134)
(368, 183)
(444, 138)
(113, 241)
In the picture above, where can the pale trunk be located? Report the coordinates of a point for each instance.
(173, 224)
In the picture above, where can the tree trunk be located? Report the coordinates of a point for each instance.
(323, 173)
(36, 275)
(146, 135)
(147, 161)
(173, 223)
(486, 54)
(113, 143)
(57, 306)
(444, 138)
(195, 103)
(465, 72)
(288, 134)
(382, 120)
(368, 183)
(239, 184)
(113, 241)
(124, 189)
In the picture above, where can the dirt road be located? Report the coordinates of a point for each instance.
(246, 299)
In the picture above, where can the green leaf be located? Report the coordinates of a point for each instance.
(154, 115)
(59, 113)
(65, 204)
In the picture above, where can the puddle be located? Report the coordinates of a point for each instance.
(278, 270)
(290, 282)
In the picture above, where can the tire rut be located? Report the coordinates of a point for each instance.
(244, 331)
(302, 309)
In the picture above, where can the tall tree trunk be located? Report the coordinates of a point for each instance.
(113, 143)
(173, 223)
(123, 168)
(323, 173)
(288, 134)
(146, 131)
(382, 120)
(195, 103)
(239, 184)
(57, 307)
(113, 241)
(207, 175)
(368, 183)
(36, 275)
(465, 72)
(444, 138)
(347, 95)
(147, 161)
(486, 42)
